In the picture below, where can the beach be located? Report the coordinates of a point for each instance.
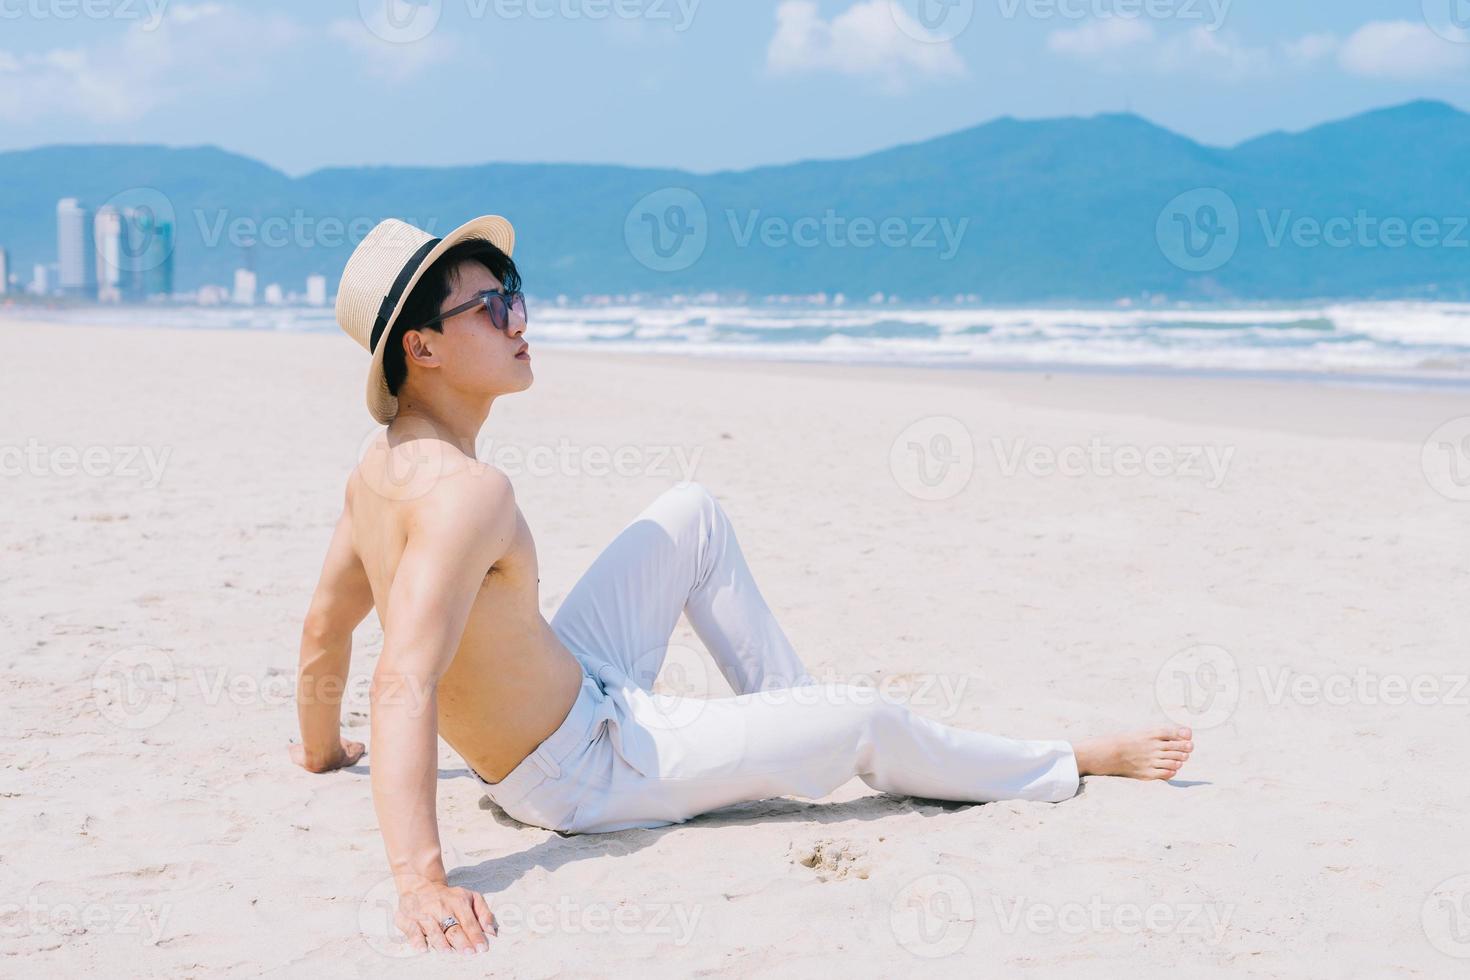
(1282, 565)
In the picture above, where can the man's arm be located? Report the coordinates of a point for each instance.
(455, 534)
(342, 598)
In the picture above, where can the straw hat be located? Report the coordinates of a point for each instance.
(379, 277)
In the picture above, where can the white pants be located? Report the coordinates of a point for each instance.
(625, 757)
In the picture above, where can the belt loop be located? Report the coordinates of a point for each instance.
(552, 770)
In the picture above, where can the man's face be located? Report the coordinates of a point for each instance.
(473, 356)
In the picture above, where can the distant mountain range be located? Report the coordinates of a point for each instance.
(1089, 209)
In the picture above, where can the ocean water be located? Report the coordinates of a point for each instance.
(1405, 340)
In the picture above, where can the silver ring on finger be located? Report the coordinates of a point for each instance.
(448, 922)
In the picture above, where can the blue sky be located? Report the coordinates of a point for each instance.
(697, 84)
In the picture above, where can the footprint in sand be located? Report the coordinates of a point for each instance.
(832, 860)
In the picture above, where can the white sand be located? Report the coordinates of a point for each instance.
(1305, 839)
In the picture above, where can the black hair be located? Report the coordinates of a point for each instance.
(433, 288)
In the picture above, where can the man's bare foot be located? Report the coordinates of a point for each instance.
(1155, 754)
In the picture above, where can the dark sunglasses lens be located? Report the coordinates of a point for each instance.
(495, 306)
(495, 303)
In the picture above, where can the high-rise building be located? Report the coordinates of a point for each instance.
(113, 279)
(40, 280)
(151, 253)
(244, 294)
(274, 296)
(76, 257)
(4, 272)
(316, 290)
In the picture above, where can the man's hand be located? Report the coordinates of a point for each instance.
(347, 754)
(421, 911)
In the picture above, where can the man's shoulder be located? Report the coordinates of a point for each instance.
(470, 499)
(429, 474)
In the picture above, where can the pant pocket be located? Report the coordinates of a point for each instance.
(633, 741)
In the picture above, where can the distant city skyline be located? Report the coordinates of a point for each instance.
(699, 85)
(126, 254)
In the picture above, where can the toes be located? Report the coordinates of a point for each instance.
(1174, 755)
(1163, 773)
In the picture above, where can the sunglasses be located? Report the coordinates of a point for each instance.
(496, 302)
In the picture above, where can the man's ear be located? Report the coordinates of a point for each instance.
(418, 348)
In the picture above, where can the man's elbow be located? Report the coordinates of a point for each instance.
(412, 690)
(325, 628)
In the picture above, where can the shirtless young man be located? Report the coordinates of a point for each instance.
(557, 718)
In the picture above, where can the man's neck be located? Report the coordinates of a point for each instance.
(454, 420)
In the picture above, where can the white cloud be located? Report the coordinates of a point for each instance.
(1100, 38)
(1310, 49)
(149, 66)
(1401, 49)
(1217, 54)
(1126, 44)
(388, 59)
(864, 40)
